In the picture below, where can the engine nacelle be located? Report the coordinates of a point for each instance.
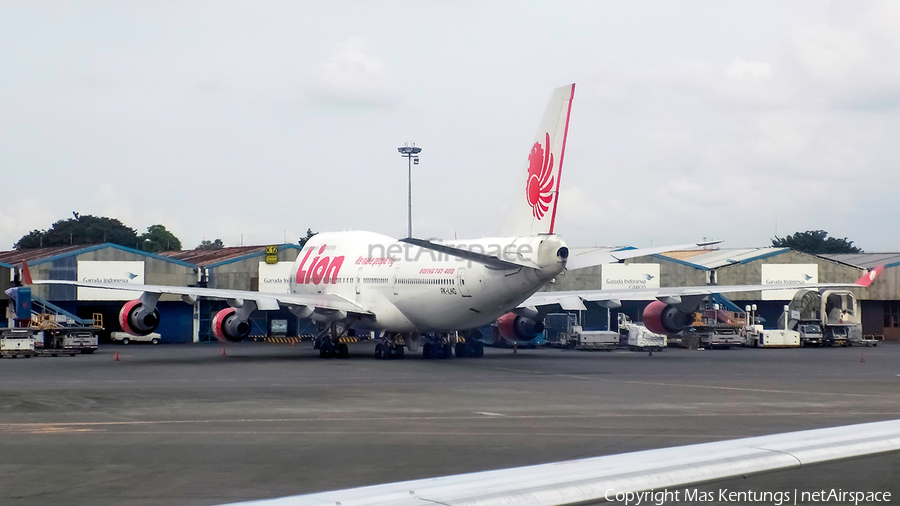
(136, 320)
(519, 328)
(228, 327)
(661, 318)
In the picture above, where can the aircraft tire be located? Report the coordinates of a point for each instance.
(447, 351)
(462, 351)
(479, 350)
(399, 352)
(426, 351)
(343, 351)
(326, 350)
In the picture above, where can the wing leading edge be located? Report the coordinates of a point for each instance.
(265, 301)
(599, 478)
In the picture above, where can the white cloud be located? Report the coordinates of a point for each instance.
(353, 76)
(753, 70)
(828, 52)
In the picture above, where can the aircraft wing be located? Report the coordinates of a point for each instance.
(572, 300)
(601, 478)
(612, 255)
(264, 301)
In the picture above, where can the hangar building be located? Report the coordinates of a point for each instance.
(242, 268)
(745, 266)
(250, 268)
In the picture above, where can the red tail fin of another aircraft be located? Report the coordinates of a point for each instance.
(26, 274)
(870, 276)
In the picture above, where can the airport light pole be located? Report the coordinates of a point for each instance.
(411, 153)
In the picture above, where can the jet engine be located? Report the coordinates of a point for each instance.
(136, 320)
(662, 318)
(519, 328)
(228, 327)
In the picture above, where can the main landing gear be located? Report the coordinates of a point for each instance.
(394, 345)
(442, 346)
(329, 344)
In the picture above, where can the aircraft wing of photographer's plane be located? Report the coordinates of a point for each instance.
(601, 478)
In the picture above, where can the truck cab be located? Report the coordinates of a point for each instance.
(810, 334)
(835, 336)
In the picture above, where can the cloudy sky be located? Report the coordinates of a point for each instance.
(254, 121)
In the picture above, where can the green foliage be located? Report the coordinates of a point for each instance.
(815, 242)
(309, 234)
(85, 229)
(211, 245)
(158, 239)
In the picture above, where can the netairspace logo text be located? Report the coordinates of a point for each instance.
(725, 496)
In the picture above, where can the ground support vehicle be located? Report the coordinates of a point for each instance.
(125, 338)
(581, 339)
(865, 340)
(559, 329)
(58, 335)
(836, 312)
(17, 342)
(810, 334)
(65, 341)
(641, 339)
(757, 337)
(718, 328)
(638, 338)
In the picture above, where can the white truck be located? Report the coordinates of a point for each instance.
(126, 338)
(810, 334)
(17, 342)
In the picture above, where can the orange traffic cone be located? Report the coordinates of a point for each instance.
(223, 352)
(117, 356)
(515, 348)
(862, 358)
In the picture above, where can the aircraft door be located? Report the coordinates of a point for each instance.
(461, 282)
(395, 280)
(358, 281)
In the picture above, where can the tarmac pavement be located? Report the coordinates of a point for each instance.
(185, 425)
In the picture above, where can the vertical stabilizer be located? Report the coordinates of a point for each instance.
(533, 208)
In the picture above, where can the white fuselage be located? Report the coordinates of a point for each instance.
(413, 289)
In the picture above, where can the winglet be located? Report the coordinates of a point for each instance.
(26, 274)
(870, 276)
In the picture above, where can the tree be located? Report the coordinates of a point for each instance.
(85, 229)
(815, 242)
(211, 245)
(157, 239)
(309, 234)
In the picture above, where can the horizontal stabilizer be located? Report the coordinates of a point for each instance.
(481, 258)
(606, 256)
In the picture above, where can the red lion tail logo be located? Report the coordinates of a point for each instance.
(540, 179)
